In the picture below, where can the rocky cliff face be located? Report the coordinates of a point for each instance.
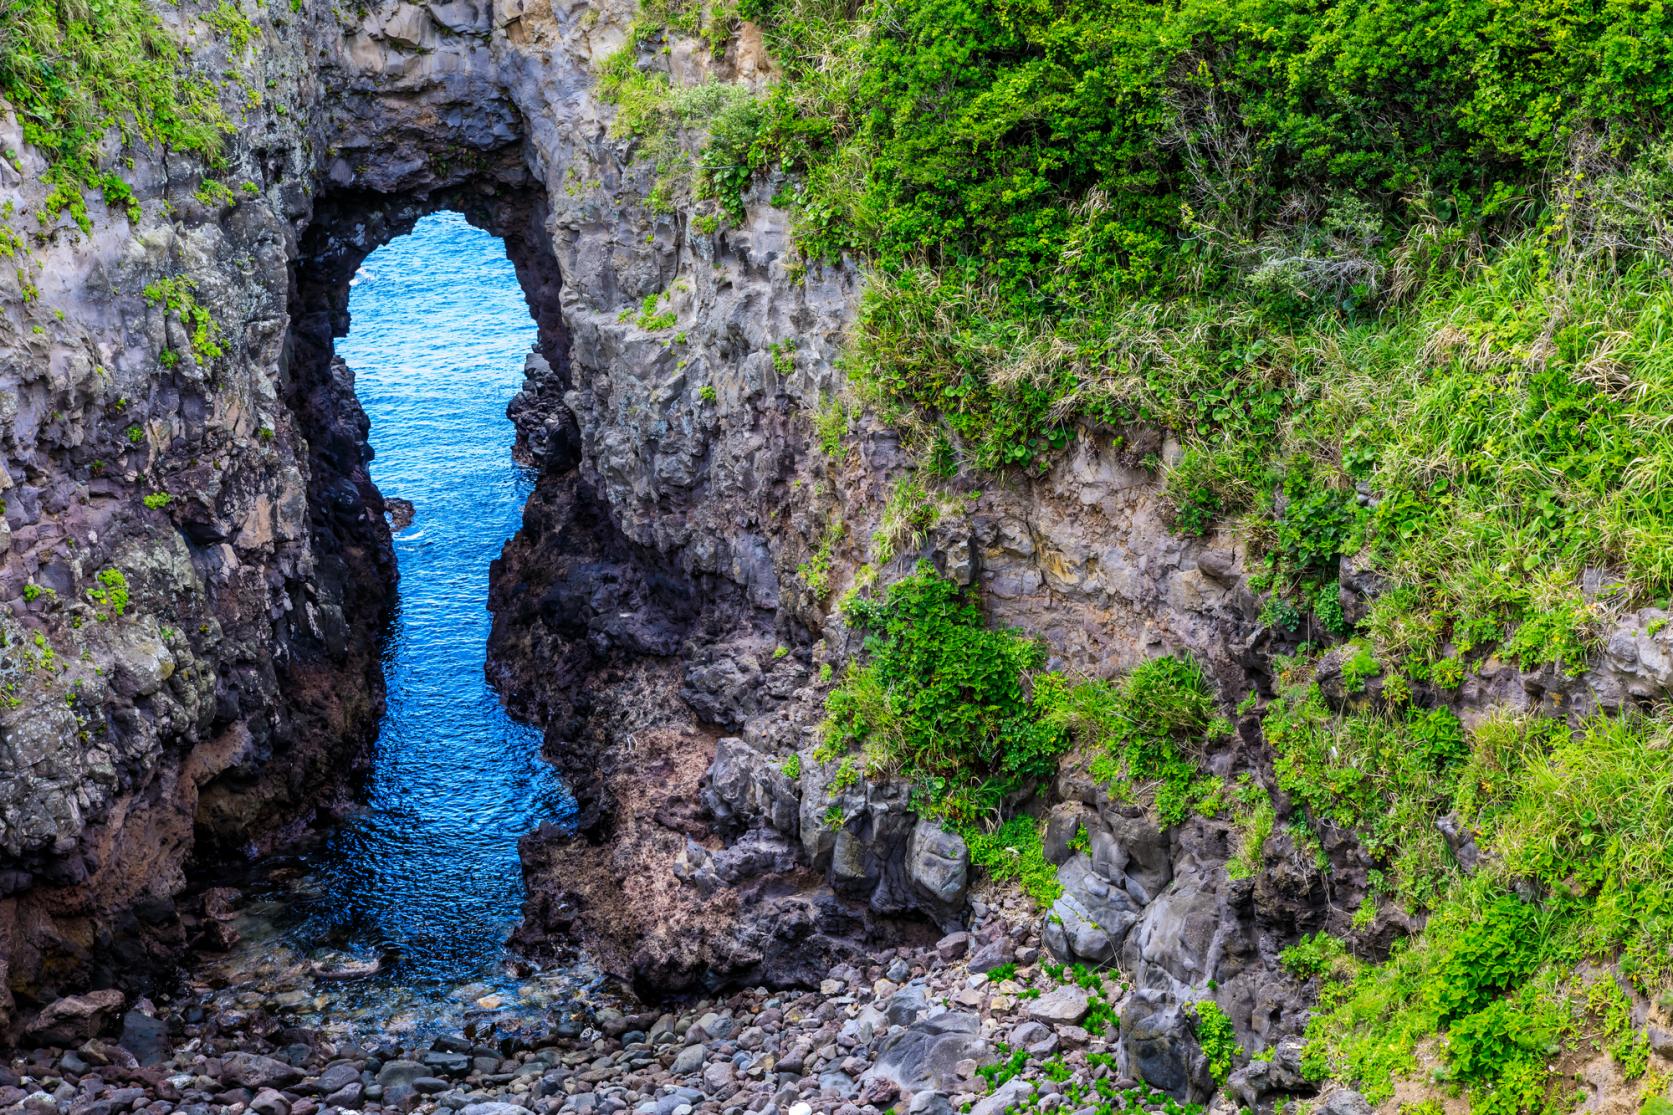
(195, 676)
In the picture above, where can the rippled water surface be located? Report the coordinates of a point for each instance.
(427, 876)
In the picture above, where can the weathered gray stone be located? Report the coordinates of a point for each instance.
(1090, 920)
(938, 863)
(925, 1056)
(1064, 1006)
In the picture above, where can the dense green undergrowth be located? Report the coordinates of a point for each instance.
(1525, 967)
(1396, 278)
(969, 716)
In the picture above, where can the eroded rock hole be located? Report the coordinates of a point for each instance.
(401, 912)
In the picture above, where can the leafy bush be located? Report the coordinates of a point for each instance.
(1146, 733)
(110, 590)
(1217, 1038)
(944, 699)
(1495, 951)
(1014, 851)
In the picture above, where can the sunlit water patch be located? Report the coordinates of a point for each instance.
(425, 883)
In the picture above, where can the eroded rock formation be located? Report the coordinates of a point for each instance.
(649, 616)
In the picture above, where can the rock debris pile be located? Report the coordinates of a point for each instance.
(980, 1023)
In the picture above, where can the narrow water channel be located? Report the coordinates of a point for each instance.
(438, 331)
(426, 878)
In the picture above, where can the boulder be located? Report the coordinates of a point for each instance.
(254, 1071)
(1159, 1046)
(1134, 854)
(1061, 1006)
(1014, 1093)
(925, 1056)
(1091, 918)
(746, 788)
(938, 863)
(145, 1037)
(1256, 1080)
(75, 1018)
(1343, 1101)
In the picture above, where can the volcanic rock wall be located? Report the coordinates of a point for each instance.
(196, 677)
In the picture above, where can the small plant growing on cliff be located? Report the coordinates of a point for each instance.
(1279, 614)
(1255, 818)
(110, 591)
(784, 356)
(649, 318)
(232, 23)
(815, 572)
(909, 515)
(1081, 842)
(847, 776)
(1217, 1038)
(707, 393)
(835, 818)
(156, 501)
(791, 768)
(1448, 673)
(135, 434)
(1359, 667)
(830, 426)
(177, 296)
(215, 194)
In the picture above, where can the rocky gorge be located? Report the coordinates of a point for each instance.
(197, 573)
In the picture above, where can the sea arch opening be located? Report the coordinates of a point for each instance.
(415, 323)
(426, 876)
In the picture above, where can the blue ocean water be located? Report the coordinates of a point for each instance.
(428, 873)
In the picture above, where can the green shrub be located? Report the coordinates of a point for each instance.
(176, 295)
(110, 590)
(1014, 851)
(943, 698)
(1145, 733)
(1217, 1038)
(1495, 951)
(1582, 818)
